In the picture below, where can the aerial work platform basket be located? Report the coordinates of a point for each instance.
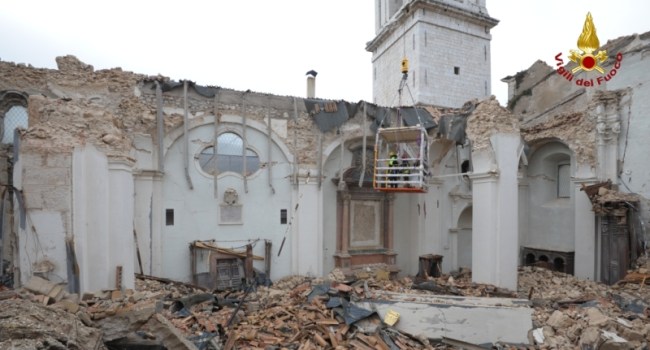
(401, 159)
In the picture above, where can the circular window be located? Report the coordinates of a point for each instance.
(230, 156)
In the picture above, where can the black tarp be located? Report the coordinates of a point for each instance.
(330, 115)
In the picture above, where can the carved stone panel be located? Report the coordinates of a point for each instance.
(365, 229)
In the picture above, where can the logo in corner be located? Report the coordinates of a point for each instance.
(587, 59)
(588, 43)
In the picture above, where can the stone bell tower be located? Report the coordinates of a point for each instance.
(447, 43)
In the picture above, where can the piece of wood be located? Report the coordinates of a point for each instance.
(636, 277)
(232, 338)
(359, 345)
(319, 339)
(327, 322)
(332, 338)
(381, 344)
(368, 340)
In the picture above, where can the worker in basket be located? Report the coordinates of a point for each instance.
(393, 163)
(406, 170)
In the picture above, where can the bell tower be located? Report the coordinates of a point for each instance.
(447, 43)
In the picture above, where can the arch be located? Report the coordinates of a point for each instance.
(12, 98)
(13, 114)
(465, 217)
(530, 259)
(558, 264)
(227, 123)
(550, 195)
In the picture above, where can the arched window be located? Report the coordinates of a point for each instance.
(229, 158)
(13, 111)
(16, 117)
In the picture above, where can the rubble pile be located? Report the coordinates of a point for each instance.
(28, 325)
(298, 312)
(489, 118)
(573, 313)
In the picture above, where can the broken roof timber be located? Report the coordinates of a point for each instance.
(226, 251)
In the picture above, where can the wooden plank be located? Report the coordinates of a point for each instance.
(327, 322)
(319, 339)
(360, 345)
(333, 339)
(381, 344)
(232, 338)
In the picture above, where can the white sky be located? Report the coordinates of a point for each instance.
(268, 46)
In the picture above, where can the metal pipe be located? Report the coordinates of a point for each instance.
(186, 140)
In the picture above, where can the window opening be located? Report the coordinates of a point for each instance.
(563, 181)
(229, 157)
(283, 216)
(457, 70)
(169, 217)
(16, 117)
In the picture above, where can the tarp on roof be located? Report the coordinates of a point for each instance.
(328, 114)
(411, 116)
(452, 126)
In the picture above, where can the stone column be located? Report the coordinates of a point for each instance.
(307, 235)
(585, 226)
(390, 218)
(495, 237)
(343, 256)
(121, 214)
(148, 220)
(608, 128)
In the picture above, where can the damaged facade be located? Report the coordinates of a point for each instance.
(115, 173)
(586, 166)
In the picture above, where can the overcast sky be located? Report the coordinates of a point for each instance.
(268, 46)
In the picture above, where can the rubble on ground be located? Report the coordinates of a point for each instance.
(298, 312)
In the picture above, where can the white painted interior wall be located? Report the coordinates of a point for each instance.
(196, 211)
(103, 206)
(495, 237)
(550, 218)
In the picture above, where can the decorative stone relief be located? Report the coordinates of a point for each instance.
(230, 209)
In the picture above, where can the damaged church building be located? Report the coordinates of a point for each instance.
(108, 173)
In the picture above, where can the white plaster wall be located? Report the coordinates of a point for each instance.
(331, 170)
(550, 219)
(121, 215)
(46, 243)
(91, 222)
(465, 238)
(308, 235)
(495, 243)
(103, 215)
(45, 181)
(196, 210)
(633, 138)
(403, 233)
(143, 222)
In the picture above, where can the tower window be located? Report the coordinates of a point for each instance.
(457, 70)
(283, 216)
